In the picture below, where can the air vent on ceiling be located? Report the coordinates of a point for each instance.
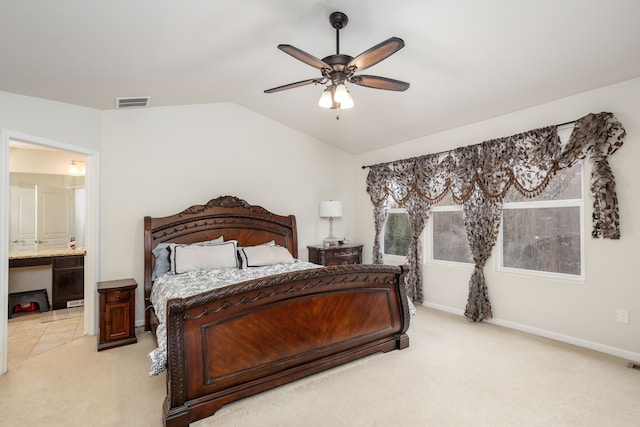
(138, 102)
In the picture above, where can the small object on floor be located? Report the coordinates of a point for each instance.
(38, 297)
(26, 306)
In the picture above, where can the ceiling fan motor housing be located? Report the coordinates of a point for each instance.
(338, 62)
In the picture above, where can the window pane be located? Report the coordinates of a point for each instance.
(449, 237)
(542, 239)
(397, 234)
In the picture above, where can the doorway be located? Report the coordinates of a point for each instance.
(82, 157)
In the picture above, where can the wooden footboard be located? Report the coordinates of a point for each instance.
(237, 341)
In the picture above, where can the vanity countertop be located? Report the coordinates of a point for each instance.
(44, 253)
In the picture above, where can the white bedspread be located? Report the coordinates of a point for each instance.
(170, 286)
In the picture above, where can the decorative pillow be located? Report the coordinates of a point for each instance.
(241, 259)
(161, 252)
(256, 256)
(203, 257)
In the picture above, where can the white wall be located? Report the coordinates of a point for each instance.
(158, 161)
(69, 126)
(583, 313)
(57, 121)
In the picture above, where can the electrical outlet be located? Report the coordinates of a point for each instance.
(623, 316)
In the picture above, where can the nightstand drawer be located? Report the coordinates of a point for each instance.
(335, 255)
(118, 296)
(342, 253)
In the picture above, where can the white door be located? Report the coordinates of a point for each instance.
(22, 233)
(55, 220)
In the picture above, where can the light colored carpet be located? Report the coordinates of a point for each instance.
(455, 373)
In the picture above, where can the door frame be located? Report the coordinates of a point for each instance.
(91, 265)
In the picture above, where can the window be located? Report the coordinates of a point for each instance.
(544, 234)
(397, 232)
(448, 236)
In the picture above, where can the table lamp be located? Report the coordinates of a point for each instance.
(331, 209)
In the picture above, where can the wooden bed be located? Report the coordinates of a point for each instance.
(230, 343)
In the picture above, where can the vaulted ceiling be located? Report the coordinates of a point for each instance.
(466, 60)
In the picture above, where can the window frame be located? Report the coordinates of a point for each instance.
(537, 204)
(432, 260)
(564, 133)
(391, 257)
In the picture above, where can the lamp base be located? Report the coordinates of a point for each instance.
(330, 241)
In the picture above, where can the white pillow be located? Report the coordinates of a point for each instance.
(242, 260)
(162, 253)
(256, 256)
(210, 257)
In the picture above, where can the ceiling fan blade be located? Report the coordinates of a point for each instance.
(379, 83)
(294, 85)
(303, 56)
(377, 53)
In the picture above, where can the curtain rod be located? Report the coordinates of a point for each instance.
(448, 151)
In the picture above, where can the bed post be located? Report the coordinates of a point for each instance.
(147, 272)
(176, 413)
(402, 340)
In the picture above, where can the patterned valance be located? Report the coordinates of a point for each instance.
(483, 173)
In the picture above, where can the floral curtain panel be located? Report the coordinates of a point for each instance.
(482, 223)
(479, 176)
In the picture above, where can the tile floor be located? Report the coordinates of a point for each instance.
(31, 334)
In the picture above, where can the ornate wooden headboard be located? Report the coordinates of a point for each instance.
(226, 216)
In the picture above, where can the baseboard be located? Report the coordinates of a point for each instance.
(614, 351)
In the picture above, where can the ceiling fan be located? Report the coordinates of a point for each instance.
(338, 69)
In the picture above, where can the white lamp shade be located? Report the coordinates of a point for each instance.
(331, 209)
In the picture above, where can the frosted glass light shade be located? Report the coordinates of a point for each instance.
(347, 103)
(331, 209)
(325, 100)
(341, 94)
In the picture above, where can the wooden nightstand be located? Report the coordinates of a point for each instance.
(335, 255)
(117, 313)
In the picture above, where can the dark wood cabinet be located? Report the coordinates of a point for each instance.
(68, 280)
(67, 274)
(117, 313)
(335, 255)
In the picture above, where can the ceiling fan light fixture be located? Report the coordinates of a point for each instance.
(347, 103)
(341, 93)
(326, 100)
